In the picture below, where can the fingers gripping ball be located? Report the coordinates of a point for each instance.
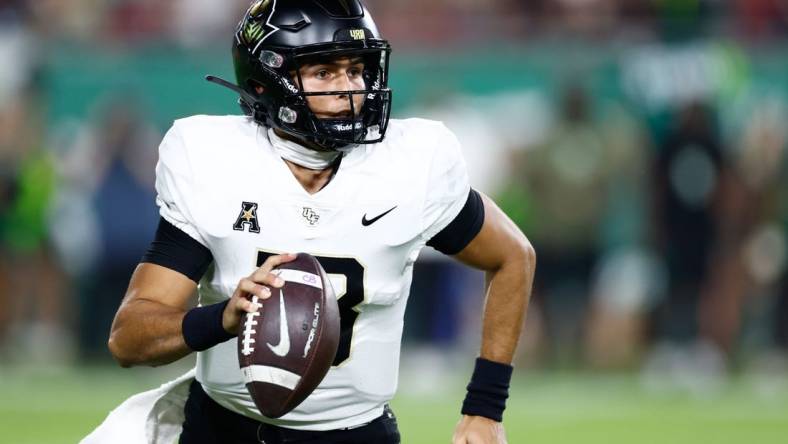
(286, 348)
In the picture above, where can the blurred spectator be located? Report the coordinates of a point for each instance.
(688, 178)
(33, 297)
(750, 254)
(33, 300)
(568, 179)
(688, 170)
(108, 200)
(627, 279)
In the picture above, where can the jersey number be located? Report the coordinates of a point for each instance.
(348, 300)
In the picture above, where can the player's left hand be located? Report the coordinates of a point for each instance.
(478, 430)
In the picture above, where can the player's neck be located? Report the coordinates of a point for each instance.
(313, 168)
(301, 152)
(312, 180)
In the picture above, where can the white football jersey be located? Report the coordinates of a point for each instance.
(220, 181)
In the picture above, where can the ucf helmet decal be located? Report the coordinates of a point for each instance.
(258, 23)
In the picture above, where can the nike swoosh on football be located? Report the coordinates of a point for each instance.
(367, 222)
(283, 347)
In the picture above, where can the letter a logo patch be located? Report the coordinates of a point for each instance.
(247, 218)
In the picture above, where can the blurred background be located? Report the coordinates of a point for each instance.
(639, 144)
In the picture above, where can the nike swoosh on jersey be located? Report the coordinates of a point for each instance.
(283, 347)
(367, 222)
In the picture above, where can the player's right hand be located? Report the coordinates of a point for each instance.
(478, 430)
(258, 284)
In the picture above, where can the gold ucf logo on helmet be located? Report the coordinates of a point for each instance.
(255, 26)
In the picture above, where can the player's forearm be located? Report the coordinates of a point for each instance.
(508, 294)
(508, 291)
(147, 333)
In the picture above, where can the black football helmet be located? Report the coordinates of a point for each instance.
(276, 37)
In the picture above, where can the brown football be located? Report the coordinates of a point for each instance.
(286, 348)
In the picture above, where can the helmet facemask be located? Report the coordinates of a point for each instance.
(279, 73)
(275, 38)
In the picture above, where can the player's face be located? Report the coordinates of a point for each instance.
(342, 74)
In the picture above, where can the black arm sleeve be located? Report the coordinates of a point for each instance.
(176, 250)
(461, 231)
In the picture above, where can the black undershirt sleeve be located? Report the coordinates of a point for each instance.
(461, 231)
(176, 250)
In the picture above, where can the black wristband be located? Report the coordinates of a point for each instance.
(488, 390)
(202, 327)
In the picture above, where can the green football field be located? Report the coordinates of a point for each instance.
(52, 406)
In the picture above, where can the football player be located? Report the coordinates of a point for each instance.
(315, 165)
